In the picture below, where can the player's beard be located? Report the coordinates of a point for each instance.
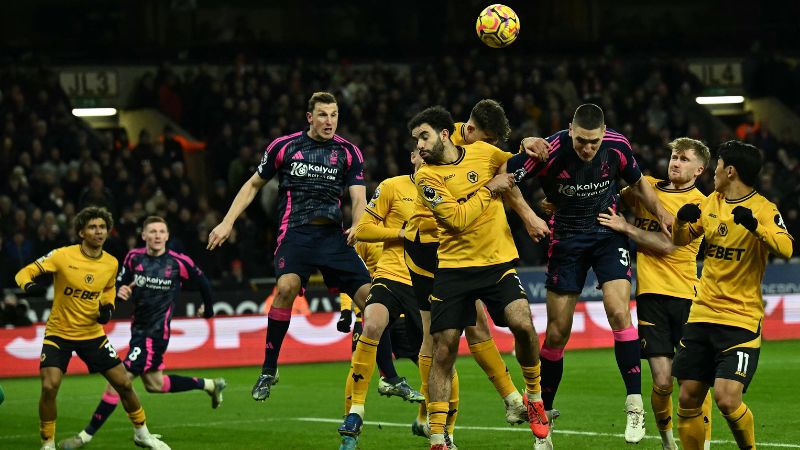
(436, 154)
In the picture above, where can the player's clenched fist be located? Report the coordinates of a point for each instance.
(689, 213)
(500, 183)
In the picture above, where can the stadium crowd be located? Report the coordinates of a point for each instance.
(51, 164)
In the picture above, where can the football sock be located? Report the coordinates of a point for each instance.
(661, 401)
(425, 362)
(552, 368)
(533, 379)
(137, 418)
(177, 383)
(437, 412)
(358, 328)
(707, 405)
(384, 357)
(348, 391)
(742, 424)
(627, 350)
(277, 326)
(361, 369)
(488, 357)
(452, 412)
(690, 428)
(47, 430)
(104, 409)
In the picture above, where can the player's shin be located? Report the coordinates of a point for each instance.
(552, 368)
(627, 351)
(488, 357)
(690, 428)
(103, 411)
(452, 412)
(363, 366)
(742, 425)
(277, 326)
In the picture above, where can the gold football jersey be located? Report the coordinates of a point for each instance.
(386, 214)
(81, 285)
(675, 274)
(735, 259)
(472, 226)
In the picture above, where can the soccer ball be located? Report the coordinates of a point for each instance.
(497, 26)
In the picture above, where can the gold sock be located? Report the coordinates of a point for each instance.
(690, 428)
(452, 413)
(661, 401)
(533, 378)
(437, 413)
(425, 362)
(47, 430)
(137, 418)
(488, 357)
(363, 366)
(742, 424)
(707, 405)
(348, 391)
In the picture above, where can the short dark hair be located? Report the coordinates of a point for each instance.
(489, 116)
(320, 97)
(683, 144)
(154, 219)
(745, 158)
(89, 213)
(435, 116)
(589, 117)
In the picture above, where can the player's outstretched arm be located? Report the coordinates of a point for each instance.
(644, 193)
(246, 194)
(537, 228)
(358, 201)
(27, 274)
(654, 242)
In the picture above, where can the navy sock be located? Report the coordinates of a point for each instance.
(552, 370)
(628, 361)
(384, 358)
(178, 383)
(277, 326)
(101, 414)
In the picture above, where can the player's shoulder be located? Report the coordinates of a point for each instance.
(656, 182)
(108, 259)
(345, 143)
(180, 256)
(285, 139)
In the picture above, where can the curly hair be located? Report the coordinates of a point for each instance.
(92, 212)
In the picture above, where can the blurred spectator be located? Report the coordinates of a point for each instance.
(14, 312)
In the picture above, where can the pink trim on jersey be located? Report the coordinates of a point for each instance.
(284, 314)
(618, 135)
(111, 398)
(166, 323)
(623, 161)
(132, 253)
(184, 272)
(552, 225)
(551, 354)
(281, 153)
(357, 150)
(184, 259)
(285, 220)
(148, 346)
(628, 334)
(547, 167)
(166, 384)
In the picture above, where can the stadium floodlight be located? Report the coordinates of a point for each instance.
(94, 112)
(720, 100)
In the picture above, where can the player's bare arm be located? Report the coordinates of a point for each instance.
(246, 194)
(535, 226)
(644, 193)
(653, 242)
(358, 201)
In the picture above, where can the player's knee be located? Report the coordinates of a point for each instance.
(619, 318)
(124, 387)
(726, 403)
(153, 388)
(373, 329)
(49, 389)
(557, 337)
(520, 327)
(689, 400)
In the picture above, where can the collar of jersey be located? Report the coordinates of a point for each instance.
(739, 200)
(673, 191)
(88, 255)
(461, 153)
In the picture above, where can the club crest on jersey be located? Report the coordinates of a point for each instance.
(334, 159)
(723, 229)
(472, 176)
(89, 278)
(605, 170)
(779, 221)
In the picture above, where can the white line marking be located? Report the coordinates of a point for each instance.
(527, 430)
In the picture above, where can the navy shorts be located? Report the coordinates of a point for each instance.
(569, 260)
(146, 354)
(307, 248)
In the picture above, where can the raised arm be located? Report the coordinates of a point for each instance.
(653, 242)
(644, 193)
(243, 198)
(767, 227)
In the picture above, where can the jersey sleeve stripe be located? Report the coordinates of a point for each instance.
(373, 214)
(185, 258)
(281, 139)
(623, 161)
(353, 147)
(613, 133)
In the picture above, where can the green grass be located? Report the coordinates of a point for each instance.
(591, 400)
